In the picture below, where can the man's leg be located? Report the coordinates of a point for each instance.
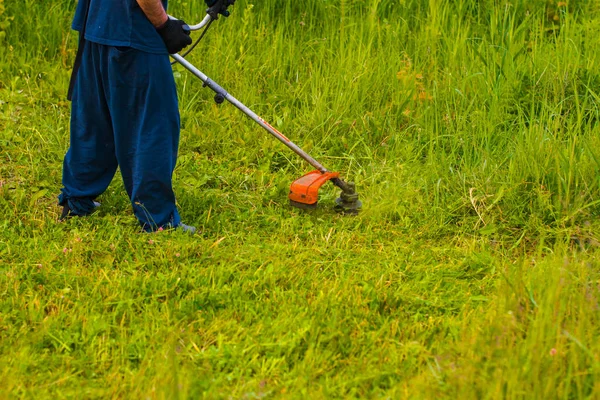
(143, 104)
(90, 162)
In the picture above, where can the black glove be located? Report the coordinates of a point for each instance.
(176, 35)
(218, 7)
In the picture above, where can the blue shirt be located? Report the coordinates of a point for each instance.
(119, 23)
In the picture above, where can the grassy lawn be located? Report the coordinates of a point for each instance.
(472, 130)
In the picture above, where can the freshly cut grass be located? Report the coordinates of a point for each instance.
(471, 129)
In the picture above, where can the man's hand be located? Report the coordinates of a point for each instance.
(174, 35)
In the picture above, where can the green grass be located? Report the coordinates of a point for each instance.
(472, 131)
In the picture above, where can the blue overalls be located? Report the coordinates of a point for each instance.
(124, 114)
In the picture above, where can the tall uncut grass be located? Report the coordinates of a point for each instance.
(472, 131)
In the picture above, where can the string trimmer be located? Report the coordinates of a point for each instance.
(304, 191)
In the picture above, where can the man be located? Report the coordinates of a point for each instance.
(124, 109)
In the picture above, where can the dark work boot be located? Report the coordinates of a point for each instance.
(68, 213)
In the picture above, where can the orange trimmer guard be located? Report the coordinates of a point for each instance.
(305, 190)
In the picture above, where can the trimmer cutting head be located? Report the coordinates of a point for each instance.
(304, 192)
(348, 202)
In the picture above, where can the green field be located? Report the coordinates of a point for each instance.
(472, 130)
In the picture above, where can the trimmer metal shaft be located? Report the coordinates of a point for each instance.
(222, 95)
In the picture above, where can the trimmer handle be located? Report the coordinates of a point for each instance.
(189, 28)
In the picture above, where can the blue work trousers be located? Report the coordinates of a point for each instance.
(124, 114)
